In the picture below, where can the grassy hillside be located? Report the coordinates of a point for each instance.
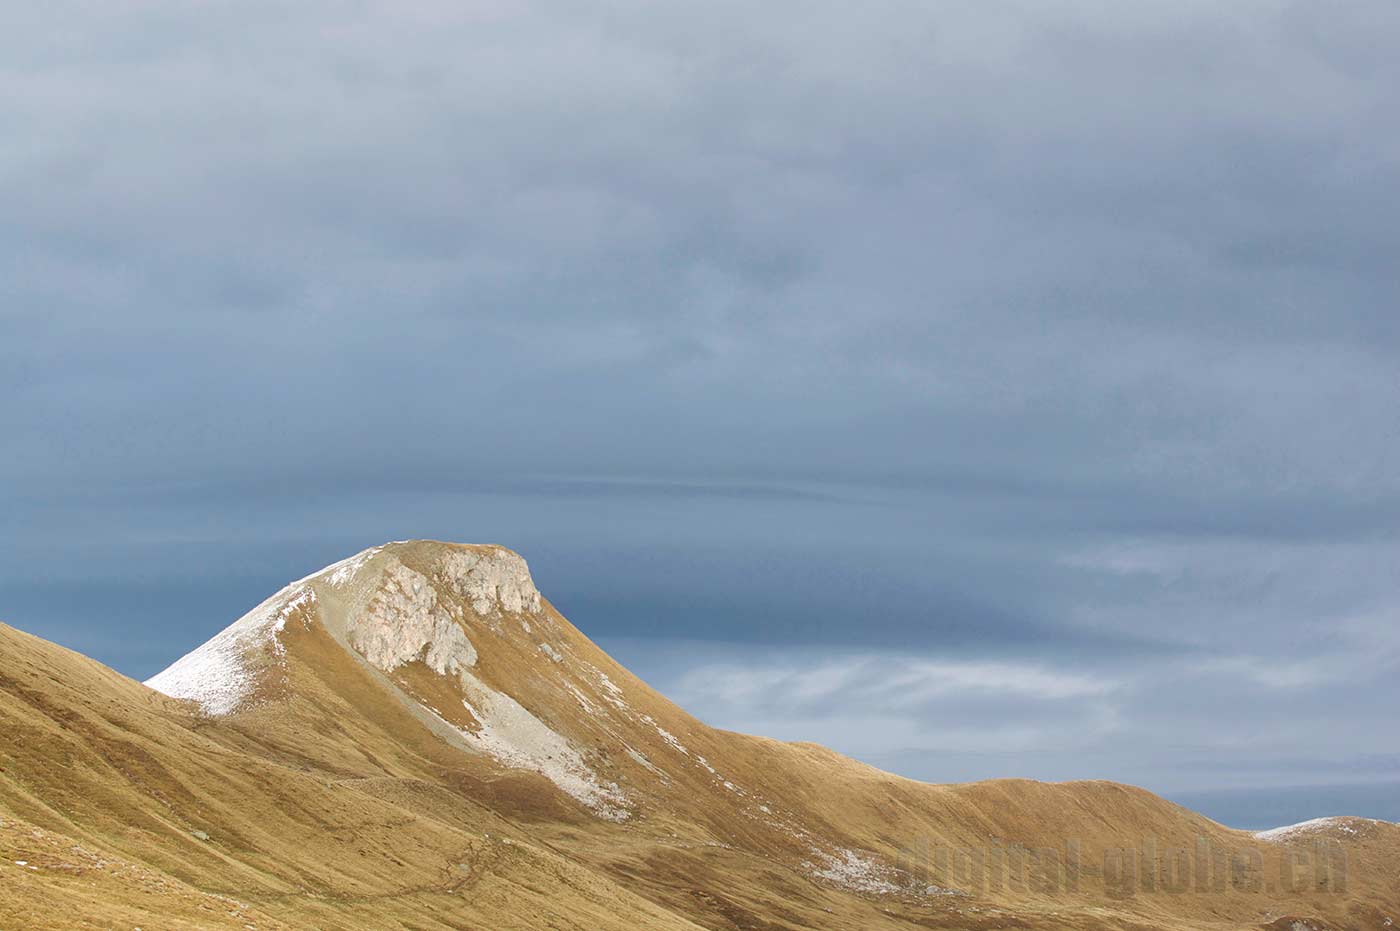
(415, 739)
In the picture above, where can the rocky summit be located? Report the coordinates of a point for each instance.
(414, 738)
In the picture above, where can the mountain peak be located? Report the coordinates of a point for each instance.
(416, 730)
(383, 601)
(492, 577)
(456, 634)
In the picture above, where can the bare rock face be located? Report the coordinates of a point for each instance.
(417, 616)
(405, 622)
(425, 615)
(492, 581)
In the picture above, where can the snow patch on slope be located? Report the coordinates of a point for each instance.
(640, 758)
(219, 674)
(582, 699)
(853, 870)
(670, 739)
(1333, 825)
(512, 735)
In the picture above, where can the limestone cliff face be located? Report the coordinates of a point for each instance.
(492, 579)
(406, 621)
(424, 615)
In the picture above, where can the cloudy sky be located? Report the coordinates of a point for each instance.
(979, 388)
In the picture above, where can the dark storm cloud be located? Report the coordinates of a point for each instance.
(1053, 335)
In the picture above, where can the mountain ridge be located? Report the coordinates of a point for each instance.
(421, 702)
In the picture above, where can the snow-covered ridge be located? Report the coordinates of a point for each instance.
(218, 674)
(1344, 825)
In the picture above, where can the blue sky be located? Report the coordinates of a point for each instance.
(981, 389)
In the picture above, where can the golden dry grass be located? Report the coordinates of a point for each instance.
(328, 802)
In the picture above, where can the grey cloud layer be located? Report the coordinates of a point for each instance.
(1054, 335)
